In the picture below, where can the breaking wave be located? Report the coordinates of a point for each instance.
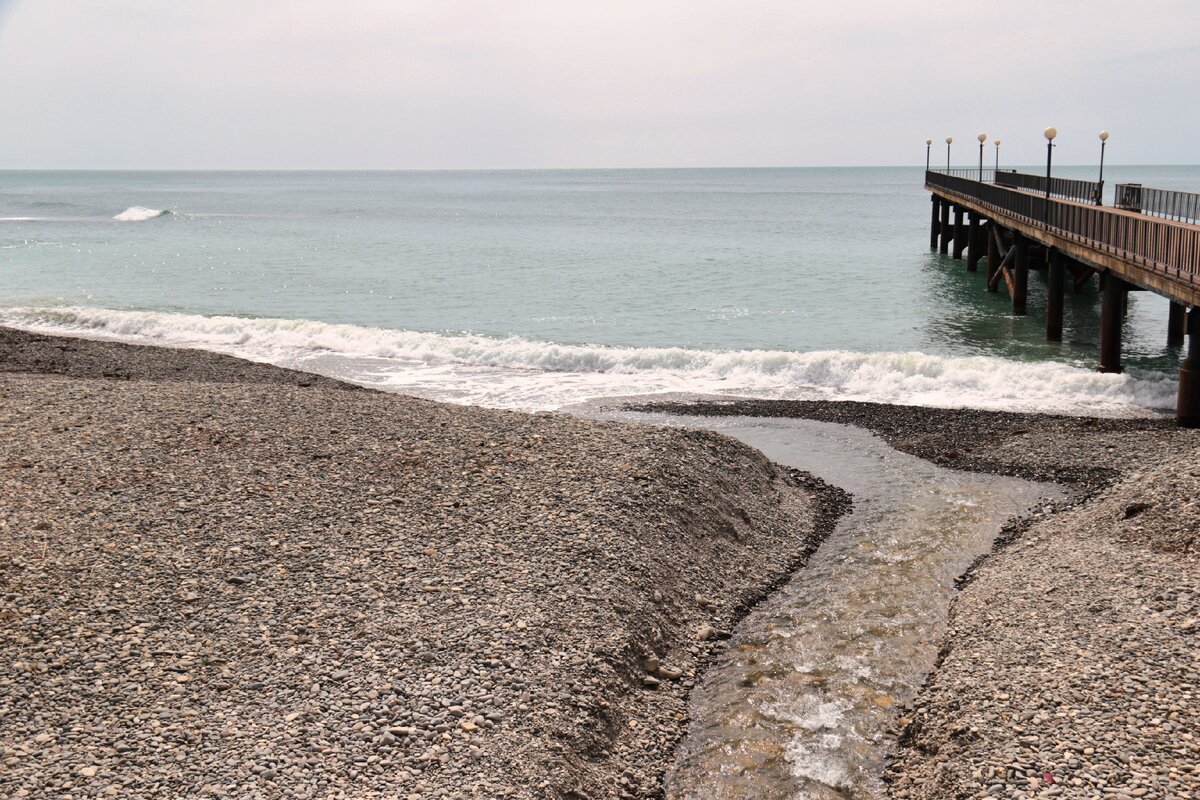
(140, 214)
(521, 373)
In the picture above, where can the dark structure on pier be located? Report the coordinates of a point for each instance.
(1016, 222)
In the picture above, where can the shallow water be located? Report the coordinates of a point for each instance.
(799, 704)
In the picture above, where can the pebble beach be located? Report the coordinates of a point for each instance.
(223, 579)
(226, 579)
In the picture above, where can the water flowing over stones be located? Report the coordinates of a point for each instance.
(800, 704)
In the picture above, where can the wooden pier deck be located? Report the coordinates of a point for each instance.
(1008, 221)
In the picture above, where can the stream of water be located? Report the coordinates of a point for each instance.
(799, 705)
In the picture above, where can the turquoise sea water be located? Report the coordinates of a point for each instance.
(536, 288)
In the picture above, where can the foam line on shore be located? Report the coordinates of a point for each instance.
(516, 372)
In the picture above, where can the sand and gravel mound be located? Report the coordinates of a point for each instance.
(216, 585)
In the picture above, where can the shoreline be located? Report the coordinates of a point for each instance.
(934, 758)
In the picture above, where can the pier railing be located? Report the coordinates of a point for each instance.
(1155, 244)
(1083, 191)
(1066, 188)
(972, 173)
(1167, 203)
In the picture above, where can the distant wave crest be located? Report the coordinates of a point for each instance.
(515, 372)
(140, 214)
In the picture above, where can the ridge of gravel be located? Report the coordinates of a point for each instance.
(35, 353)
(1021, 445)
(1071, 663)
(221, 579)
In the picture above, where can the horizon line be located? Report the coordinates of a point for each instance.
(918, 167)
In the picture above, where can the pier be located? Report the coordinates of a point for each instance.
(1015, 222)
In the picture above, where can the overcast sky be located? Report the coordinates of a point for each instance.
(605, 83)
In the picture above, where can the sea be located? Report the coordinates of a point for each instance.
(540, 289)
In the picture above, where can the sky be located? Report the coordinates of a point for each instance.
(494, 84)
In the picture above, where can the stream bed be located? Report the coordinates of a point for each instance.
(799, 704)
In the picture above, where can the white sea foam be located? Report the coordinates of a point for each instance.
(139, 214)
(521, 373)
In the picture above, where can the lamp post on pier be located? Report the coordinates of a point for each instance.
(1049, 133)
(928, 144)
(1100, 187)
(997, 156)
(982, 138)
(949, 139)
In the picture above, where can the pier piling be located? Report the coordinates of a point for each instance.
(944, 246)
(973, 242)
(1112, 316)
(993, 256)
(1187, 409)
(1176, 324)
(1055, 287)
(1020, 278)
(960, 238)
(935, 225)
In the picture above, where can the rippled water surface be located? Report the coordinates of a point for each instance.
(535, 289)
(799, 704)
